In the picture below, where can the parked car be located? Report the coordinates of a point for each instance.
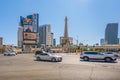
(11, 53)
(48, 56)
(87, 55)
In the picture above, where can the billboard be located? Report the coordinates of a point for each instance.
(27, 21)
(30, 36)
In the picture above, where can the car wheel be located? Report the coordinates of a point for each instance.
(38, 58)
(108, 59)
(85, 58)
(9, 55)
(53, 59)
(60, 60)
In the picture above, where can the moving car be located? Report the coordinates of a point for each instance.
(48, 57)
(11, 53)
(87, 55)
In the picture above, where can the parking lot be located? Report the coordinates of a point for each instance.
(25, 67)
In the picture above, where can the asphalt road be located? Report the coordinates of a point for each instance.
(25, 67)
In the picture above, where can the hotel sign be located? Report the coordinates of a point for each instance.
(30, 36)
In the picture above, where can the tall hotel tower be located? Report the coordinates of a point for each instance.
(111, 33)
(28, 32)
(44, 35)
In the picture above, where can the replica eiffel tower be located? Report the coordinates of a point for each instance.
(65, 39)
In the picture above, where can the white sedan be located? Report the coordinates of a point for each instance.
(48, 56)
(11, 53)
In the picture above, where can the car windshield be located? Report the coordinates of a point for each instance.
(11, 52)
(108, 52)
(44, 52)
(101, 53)
(51, 54)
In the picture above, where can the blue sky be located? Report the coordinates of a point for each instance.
(87, 19)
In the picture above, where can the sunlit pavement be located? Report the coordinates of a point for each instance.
(25, 67)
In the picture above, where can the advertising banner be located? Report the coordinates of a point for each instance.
(27, 21)
(30, 36)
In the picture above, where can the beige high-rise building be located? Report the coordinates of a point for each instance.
(1, 45)
(45, 35)
(1, 41)
(20, 36)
